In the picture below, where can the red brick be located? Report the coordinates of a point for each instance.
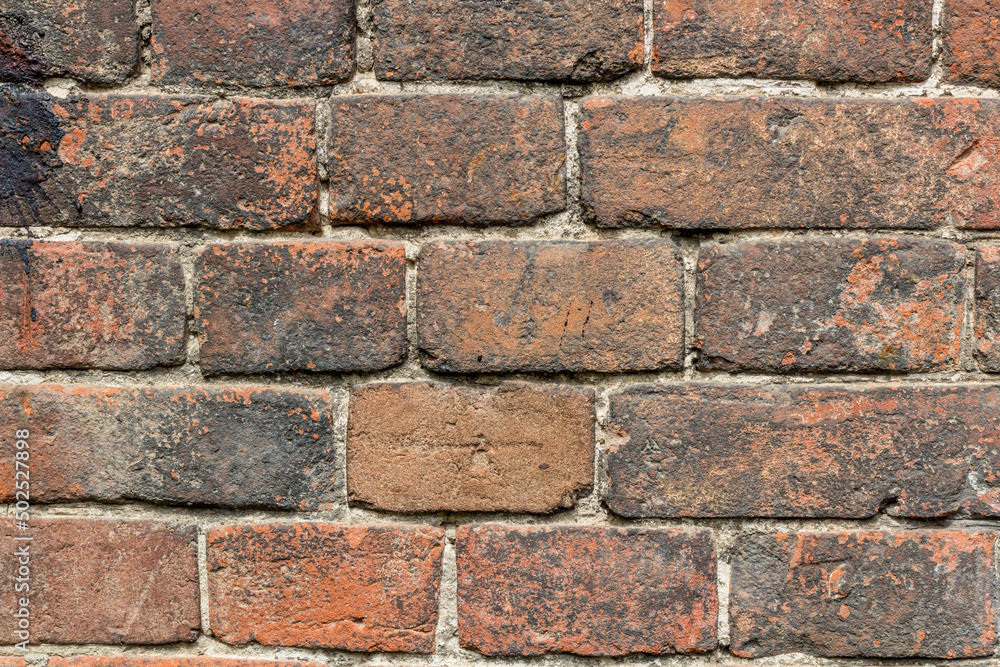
(704, 450)
(423, 447)
(104, 582)
(785, 163)
(876, 304)
(917, 593)
(258, 43)
(561, 40)
(330, 306)
(870, 41)
(456, 159)
(972, 41)
(606, 306)
(89, 304)
(320, 585)
(587, 590)
(987, 330)
(220, 447)
(96, 41)
(160, 161)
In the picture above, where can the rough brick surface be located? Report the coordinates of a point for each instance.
(763, 163)
(235, 448)
(458, 159)
(869, 41)
(257, 43)
(434, 447)
(270, 307)
(540, 306)
(104, 582)
(152, 160)
(888, 595)
(562, 40)
(987, 329)
(585, 590)
(92, 40)
(357, 588)
(90, 304)
(972, 41)
(877, 304)
(709, 450)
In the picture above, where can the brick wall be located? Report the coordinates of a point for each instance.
(417, 333)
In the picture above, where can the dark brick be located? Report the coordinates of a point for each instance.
(876, 304)
(560, 40)
(220, 447)
(258, 43)
(90, 305)
(321, 585)
(104, 582)
(29, 136)
(151, 160)
(606, 306)
(96, 41)
(988, 308)
(789, 163)
(916, 593)
(597, 591)
(422, 447)
(703, 450)
(456, 159)
(870, 41)
(972, 41)
(330, 306)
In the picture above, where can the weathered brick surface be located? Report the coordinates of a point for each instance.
(257, 43)
(92, 40)
(876, 304)
(869, 41)
(585, 590)
(709, 450)
(972, 41)
(888, 595)
(434, 447)
(987, 331)
(90, 304)
(357, 588)
(562, 40)
(162, 161)
(458, 159)
(229, 447)
(104, 582)
(329, 306)
(543, 306)
(762, 163)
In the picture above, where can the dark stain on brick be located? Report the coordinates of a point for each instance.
(29, 140)
(20, 60)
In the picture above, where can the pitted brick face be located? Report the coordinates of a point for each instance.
(494, 306)
(788, 163)
(272, 307)
(710, 450)
(163, 161)
(237, 448)
(575, 41)
(596, 591)
(96, 41)
(987, 329)
(972, 42)
(870, 41)
(91, 305)
(449, 159)
(260, 43)
(814, 304)
(909, 594)
(106, 582)
(320, 585)
(423, 447)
